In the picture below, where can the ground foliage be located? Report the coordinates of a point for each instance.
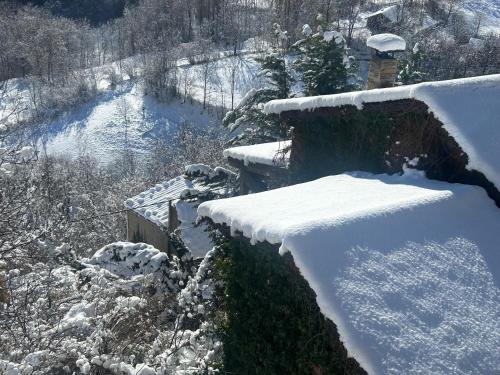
(128, 309)
(272, 323)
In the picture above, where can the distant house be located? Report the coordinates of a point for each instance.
(151, 215)
(383, 20)
(260, 166)
(392, 223)
(171, 207)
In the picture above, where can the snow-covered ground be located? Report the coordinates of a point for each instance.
(104, 126)
(220, 79)
(14, 102)
(490, 8)
(408, 268)
(490, 11)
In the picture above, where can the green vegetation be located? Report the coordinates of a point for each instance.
(259, 127)
(323, 63)
(272, 323)
(349, 140)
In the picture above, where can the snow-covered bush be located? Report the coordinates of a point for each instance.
(160, 77)
(186, 145)
(128, 309)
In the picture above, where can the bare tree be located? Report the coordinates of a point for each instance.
(128, 160)
(451, 6)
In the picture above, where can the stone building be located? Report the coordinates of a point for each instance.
(383, 66)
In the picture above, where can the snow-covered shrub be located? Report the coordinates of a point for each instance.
(198, 349)
(186, 145)
(160, 77)
(49, 99)
(112, 76)
(127, 309)
(411, 73)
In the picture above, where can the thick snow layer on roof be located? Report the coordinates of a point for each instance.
(386, 42)
(390, 12)
(264, 153)
(152, 204)
(407, 268)
(469, 109)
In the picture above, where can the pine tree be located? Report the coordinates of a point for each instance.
(411, 73)
(260, 127)
(323, 62)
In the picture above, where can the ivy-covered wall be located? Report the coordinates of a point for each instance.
(272, 323)
(380, 138)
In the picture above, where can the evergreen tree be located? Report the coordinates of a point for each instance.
(411, 73)
(323, 62)
(260, 127)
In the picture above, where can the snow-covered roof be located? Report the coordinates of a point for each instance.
(406, 267)
(265, 153)
(390, 12)
(152, 204)
(386, 42)
(468, 108)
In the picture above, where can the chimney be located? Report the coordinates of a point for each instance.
(383, 65)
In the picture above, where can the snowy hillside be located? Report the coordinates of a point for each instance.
(490, 8)
(490, 11)
(220, 78)
(101, 127)
(123, 114)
